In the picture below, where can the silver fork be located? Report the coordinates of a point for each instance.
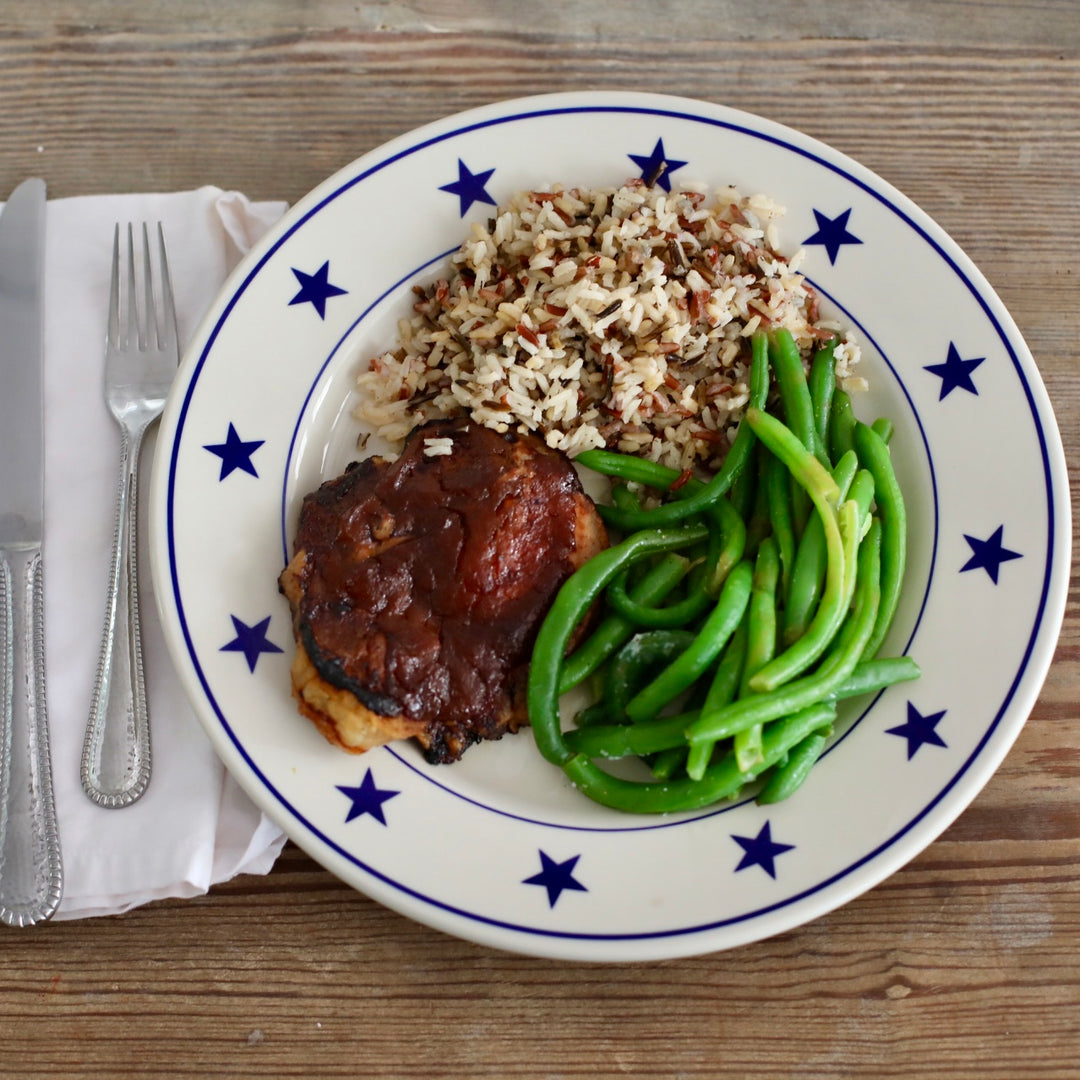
(141, 354)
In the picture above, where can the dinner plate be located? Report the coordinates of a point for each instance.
(499, 848)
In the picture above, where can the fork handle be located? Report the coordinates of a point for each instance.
(116, 751)
(31, 873)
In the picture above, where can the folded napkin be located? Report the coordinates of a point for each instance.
(194, 827)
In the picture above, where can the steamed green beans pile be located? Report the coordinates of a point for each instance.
(735, 613)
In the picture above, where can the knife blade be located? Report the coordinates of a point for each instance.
(31, 871)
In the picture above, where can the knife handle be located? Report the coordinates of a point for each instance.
(116, 751)
(31, 872)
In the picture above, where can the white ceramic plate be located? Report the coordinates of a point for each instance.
(499, 848)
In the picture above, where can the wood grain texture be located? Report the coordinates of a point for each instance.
(964, 964)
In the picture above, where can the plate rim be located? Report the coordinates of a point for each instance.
(970, 778)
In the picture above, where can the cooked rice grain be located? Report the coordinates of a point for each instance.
(615, 317)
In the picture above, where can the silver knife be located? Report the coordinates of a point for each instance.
(31, 872)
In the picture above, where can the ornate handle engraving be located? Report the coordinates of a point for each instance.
(31, 872)
(116, 753)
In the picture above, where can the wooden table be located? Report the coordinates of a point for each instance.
(963, 964)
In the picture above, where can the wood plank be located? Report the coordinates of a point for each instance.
(1033, 22)
(274, 115)
(271, 979)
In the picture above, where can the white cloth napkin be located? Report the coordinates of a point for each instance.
(194, 827)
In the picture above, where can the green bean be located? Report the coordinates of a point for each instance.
(727, 676)
(803, 465)
(761, 613)
(789, 776)
(790, 377)
(808, 572)
(649, 615)
(614, 631)
(861, 493)
(732, 530)
(634, 469)
(874, 455)
(624, 740)
(845, 653)
(668, 762)
(759, 369)
(759, 522)
(688, 503)
(823, 490)
(807, 578)
(761, 645)
(883, 426)
(787, 365)
(841, 425)
(569, 608)
(743, 492)
(721, 780)
(723, 687)
(780, 514)
(872, 675)
(833, 671)
(706, 646)
(822, 380)
(801, 654)
(633, 663)
(624, 498)
(596, 713)
(844, 472)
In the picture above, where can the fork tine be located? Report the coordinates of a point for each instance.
(168, 321)
(134, 327)
(112, 327)
(150, 320)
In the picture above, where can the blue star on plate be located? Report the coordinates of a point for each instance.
(919, 730)
(251, 640)
(989, 554)
(316, 289)
(832, 233)
(234, 453)
(470, 187)
(955, 373)
(367, 798)
(657, 167)
(760, 850)
(556, 877)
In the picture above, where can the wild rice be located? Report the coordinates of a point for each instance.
(617, 317)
